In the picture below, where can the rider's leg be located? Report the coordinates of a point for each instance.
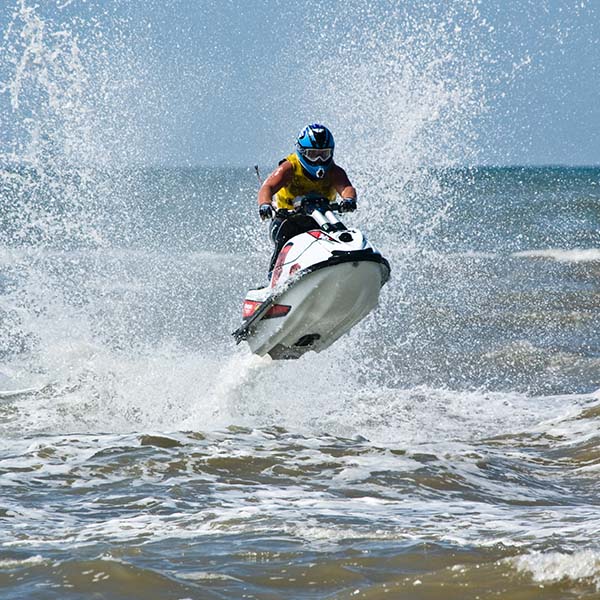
(283, 230)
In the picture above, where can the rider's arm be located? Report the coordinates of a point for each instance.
(279, 178)
(342, 184)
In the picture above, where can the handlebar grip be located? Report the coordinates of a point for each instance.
(283, 213)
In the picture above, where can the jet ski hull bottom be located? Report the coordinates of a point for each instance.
(325, 304)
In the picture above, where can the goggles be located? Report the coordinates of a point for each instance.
(316, 154)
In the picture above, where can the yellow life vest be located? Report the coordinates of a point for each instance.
(302, 185)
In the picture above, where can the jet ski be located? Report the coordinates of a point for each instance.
(323, 283)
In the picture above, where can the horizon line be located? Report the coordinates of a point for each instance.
(25, 163)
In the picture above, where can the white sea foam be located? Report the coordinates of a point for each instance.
(553, 567)
(22, 562)
(575, 255)
(318, 515)
(314, 506)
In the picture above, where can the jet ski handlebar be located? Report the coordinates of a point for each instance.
(320, 209)
(283, 213)
(307, 206)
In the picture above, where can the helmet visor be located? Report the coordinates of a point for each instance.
(316, 154)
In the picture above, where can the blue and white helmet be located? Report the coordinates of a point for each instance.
(314, 148)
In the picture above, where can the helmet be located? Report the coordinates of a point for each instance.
(314, 148)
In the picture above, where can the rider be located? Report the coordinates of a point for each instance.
(309, 170)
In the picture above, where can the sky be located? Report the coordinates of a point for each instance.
(230, 82)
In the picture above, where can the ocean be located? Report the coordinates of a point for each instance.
(446, 447)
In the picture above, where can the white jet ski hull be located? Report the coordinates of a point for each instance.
(325, 303)
(323, 282)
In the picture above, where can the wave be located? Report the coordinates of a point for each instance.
(553, 567)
